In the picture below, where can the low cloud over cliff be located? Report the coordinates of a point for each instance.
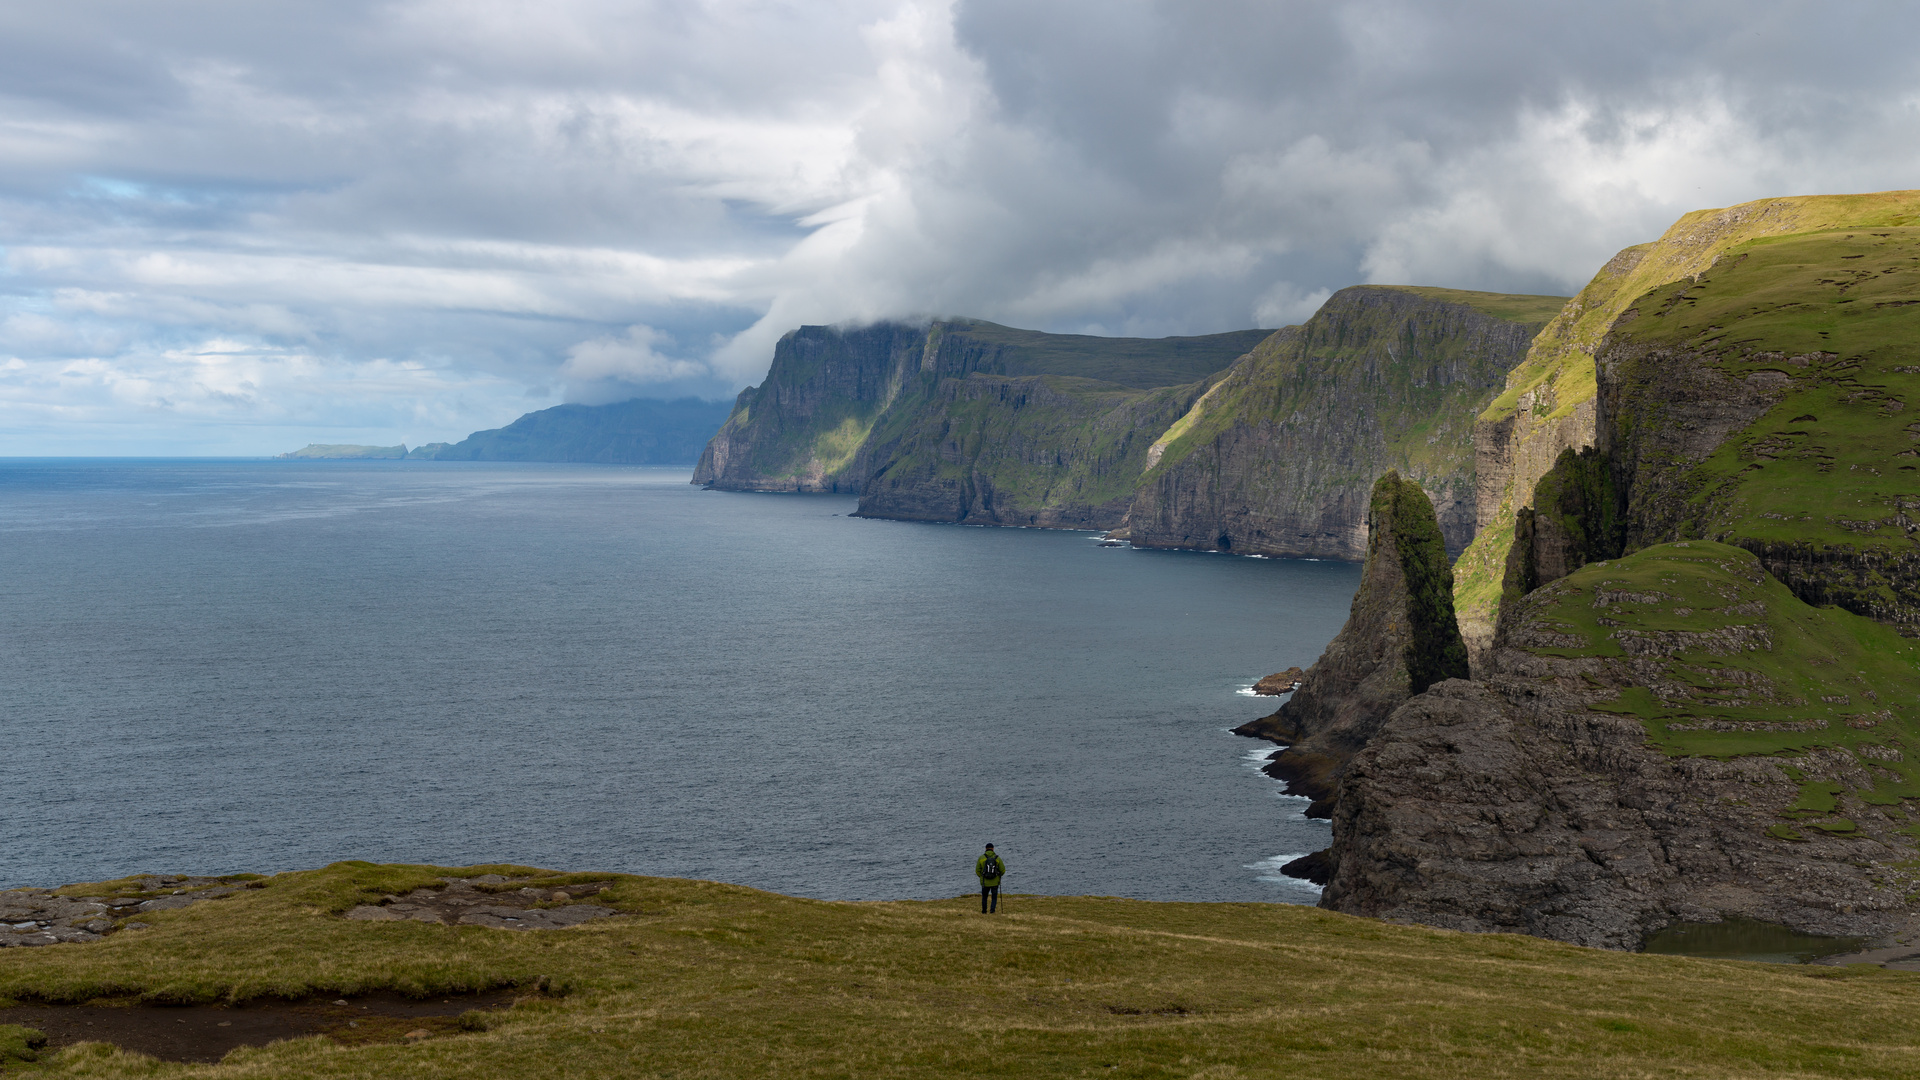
(222, 225)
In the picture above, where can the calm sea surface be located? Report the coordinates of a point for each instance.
(222, 666)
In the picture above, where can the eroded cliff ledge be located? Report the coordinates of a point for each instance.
(1549, 402)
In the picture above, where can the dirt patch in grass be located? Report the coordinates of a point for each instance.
(492, 901)
(209, 1032)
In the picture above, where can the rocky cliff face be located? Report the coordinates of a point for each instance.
(1399, 639)
(1548, 404)
(1668, 736)
(1278, 457)
(1037, 450)
(809, 425)
(1665, 726)
(800, 429)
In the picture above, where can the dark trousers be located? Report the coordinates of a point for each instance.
(989, 891)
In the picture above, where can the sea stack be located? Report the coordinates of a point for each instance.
(1399, 639)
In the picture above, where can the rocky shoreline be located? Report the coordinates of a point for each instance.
(30, 917)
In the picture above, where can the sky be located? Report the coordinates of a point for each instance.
(234, 228)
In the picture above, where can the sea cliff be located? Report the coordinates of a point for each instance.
(1696, 701)
(1250, 442)
(1548, 404)
(1278, 457)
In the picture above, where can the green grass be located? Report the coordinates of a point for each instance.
(1525, 308)
(1837, 313)
(1801, 676)
(1047, 444)
(1558, 375)
(709, 980)
(1368, 358)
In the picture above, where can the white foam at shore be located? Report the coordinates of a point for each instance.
(1270, 871)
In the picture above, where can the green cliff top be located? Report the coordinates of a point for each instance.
(1525, 308)
(1142, 363)
(701, 979)
(1832, 319)
(1558, 371)
(1744, 667)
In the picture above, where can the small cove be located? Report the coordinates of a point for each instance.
(212, 667)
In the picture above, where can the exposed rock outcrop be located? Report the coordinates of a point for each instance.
(1399, 639)
(1664, 728)
(1281, 682)
(1277, 458)
(491, 901)
(1537, 801)
(45, 917)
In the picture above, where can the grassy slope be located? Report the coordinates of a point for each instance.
(1835, 462)
(1829, 678)
(1558, 371)
(1281, 372)
(710, 980)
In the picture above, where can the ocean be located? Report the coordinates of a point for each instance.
(219, 666)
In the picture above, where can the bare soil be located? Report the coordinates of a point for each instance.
(209, 1032)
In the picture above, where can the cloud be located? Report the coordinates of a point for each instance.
(610, 368)
(412, 218)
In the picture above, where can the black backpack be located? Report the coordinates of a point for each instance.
(992, 869)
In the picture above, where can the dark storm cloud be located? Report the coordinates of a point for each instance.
(231, 226)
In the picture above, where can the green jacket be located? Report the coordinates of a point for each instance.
(980, 869)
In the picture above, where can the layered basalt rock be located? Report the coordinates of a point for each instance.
(1039, 450)
(807, 427)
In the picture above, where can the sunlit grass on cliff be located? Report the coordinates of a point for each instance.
(709, 980)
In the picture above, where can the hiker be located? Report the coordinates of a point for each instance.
(989, 868)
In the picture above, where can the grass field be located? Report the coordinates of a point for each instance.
(1836, 316)
(709, 980)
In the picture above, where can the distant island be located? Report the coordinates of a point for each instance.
(642, 431)
(345, 452)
